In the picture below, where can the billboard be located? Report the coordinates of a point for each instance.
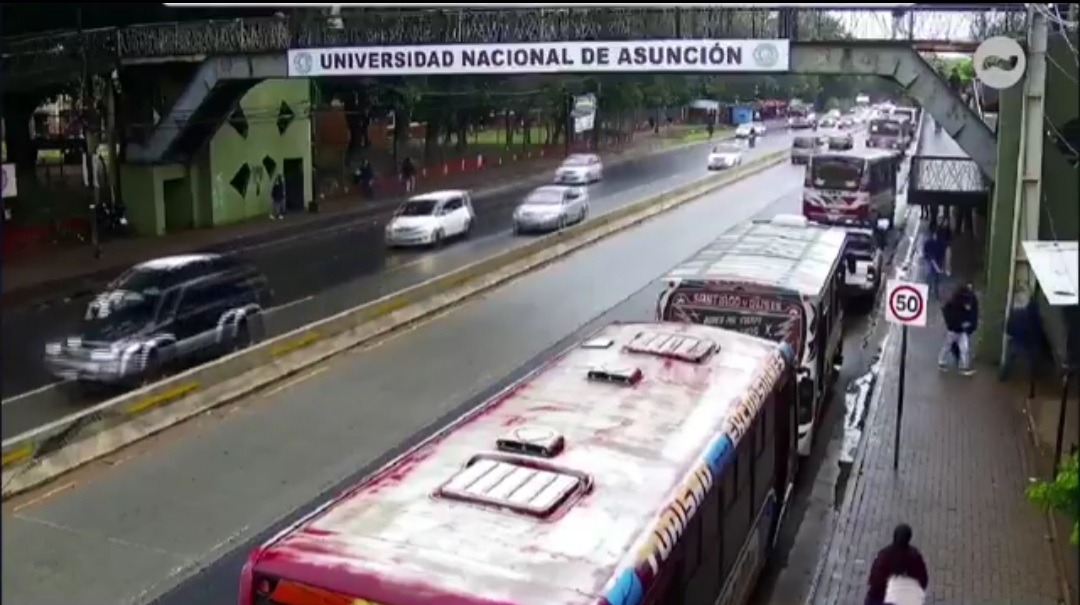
(658, 56)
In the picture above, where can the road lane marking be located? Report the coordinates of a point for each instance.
(295, 381)
(282, 307)
(45, 496)
(35, 392)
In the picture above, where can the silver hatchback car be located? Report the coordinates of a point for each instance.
(551, 207)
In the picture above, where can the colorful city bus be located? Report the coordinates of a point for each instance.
(779, 279)
(887, 133)
(857, 185)
(649, 464)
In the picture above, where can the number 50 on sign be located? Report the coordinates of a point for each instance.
(905, 303)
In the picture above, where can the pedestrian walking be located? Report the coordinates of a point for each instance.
(1023, 330)
(277, 199)
(961, 315)
(897, 562)
(933, 254)
(365, 178)
(408, 174)
(945, 236)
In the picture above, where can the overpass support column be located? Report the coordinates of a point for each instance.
(1000, 229)
(1028, 199)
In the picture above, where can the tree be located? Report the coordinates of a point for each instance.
(1062, 495)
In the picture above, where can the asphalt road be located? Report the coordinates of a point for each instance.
(173, 518)
(315, 277)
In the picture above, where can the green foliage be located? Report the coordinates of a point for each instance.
(1062, 495)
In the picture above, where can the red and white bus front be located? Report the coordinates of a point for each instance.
(886, 134)
(837, 189)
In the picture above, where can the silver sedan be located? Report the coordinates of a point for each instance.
(551, 207)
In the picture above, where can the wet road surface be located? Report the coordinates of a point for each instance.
(174, 517)
(318, 276)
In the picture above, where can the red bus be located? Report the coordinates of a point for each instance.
(856, 185)
(646, 465)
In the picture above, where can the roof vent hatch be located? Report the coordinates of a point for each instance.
(532, 441)
(520, 485)
(672, 346)
(621, 375)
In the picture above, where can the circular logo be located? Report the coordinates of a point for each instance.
(302, 63)
(766, 55)
(999, 62)
(906, 303)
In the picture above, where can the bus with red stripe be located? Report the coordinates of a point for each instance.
(857, 185)
(646, 465)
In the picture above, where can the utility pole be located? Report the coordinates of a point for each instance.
(1028, 198)
(90, 138)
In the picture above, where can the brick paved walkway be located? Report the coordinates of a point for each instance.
(965, 461)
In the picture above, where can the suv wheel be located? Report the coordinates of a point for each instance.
(242, 338)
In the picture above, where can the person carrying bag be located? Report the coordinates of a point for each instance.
(898, 575)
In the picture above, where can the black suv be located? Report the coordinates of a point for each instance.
(161, 315)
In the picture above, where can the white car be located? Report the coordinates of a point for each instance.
(431, 218)
(580, 169)
(551, 207)
(725, 156)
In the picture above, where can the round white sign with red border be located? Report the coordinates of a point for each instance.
(905, 303)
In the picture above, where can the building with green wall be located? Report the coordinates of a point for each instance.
(1058, 214)
(229, 180)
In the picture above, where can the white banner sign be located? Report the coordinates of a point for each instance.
(7, 181)
(677, 56)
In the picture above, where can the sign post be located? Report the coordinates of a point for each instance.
(906, 307)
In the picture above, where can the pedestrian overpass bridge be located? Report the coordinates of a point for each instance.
(216, 63)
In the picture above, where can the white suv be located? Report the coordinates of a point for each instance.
(429, 219)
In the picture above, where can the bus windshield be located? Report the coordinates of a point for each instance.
(885, 127)
(836, 173)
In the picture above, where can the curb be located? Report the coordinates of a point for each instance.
(40, 455)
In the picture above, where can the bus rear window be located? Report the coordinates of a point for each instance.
(836, 173)
(286, 592)
(861, 243)
(885, 127)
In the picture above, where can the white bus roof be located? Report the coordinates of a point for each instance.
(798, 258)
(532, 530)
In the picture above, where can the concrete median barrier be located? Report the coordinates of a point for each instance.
(39, 455)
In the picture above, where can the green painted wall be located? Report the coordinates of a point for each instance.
(212, 191)
(261, 154)
(1060, 218)
(1002, 211)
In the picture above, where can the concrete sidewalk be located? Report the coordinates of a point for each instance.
(63, 272)
(965, 462)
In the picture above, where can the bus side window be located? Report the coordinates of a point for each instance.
(733, 529)
(765, 452)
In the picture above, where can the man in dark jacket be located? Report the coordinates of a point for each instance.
(277, 198)
(933, 253)
(897, 559)
(961, 315)
(1022, 331)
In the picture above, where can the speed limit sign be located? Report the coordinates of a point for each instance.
(906, 303)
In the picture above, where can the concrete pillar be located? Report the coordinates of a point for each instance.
(1029, 183)
(1002, 211)
(1061, 213)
